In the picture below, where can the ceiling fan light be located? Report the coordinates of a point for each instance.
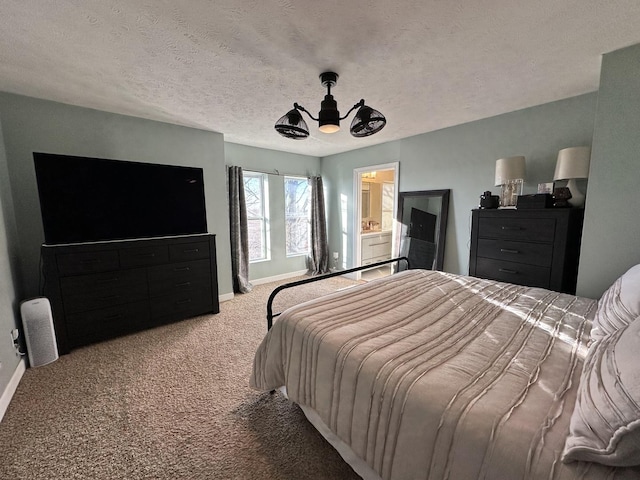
(329, 116)
(292, 125)
(367, 122)
(329, 128)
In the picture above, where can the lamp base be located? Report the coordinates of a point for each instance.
(509, 192)
(577, 197)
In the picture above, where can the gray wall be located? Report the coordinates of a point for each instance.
(9, 275)
(270, 161)
(30, 125)
(462, 158)
(611, 238)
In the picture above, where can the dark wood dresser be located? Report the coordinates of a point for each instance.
(105, 289)
(538, 248)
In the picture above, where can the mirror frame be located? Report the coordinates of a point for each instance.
(444, 216)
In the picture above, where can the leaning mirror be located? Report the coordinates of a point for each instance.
(422, 218)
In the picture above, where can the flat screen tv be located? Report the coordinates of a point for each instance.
(93, 199)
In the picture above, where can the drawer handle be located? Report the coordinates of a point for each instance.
(383, 243)
(182, 269)
(506, 270)
(183, 284)
(193, 250)
(182, 302)
(511, 228)
(113, 317)
(509, 250)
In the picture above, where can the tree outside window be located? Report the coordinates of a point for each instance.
(255, 192)
(297, 198)
(388, 194)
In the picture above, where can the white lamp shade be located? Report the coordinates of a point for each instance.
(572, 163)
(510, 168)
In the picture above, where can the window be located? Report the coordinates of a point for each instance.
(388, 189)
(297, 208)
(256, 199)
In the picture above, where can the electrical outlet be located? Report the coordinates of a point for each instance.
(15, 335)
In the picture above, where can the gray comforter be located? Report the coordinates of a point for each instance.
(428, 375)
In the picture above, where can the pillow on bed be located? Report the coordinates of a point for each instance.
(605, 424)
(619, 305)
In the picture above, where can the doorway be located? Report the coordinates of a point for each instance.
(375, 207)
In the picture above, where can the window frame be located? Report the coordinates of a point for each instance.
(287, 216)
(264, 219)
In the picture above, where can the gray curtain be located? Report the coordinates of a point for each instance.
(319, 258)
(239, 235)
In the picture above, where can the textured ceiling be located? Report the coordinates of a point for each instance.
(235, 67)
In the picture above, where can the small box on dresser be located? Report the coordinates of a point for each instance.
(533, 247)
(101, 290)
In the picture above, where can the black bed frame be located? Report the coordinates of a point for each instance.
(271, 315)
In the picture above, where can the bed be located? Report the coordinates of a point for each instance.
(430, 375)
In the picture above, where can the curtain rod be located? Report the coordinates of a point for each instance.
(277, 172)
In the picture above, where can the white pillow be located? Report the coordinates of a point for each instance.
(619, 305)
(605, 424)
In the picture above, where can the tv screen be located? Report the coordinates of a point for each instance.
(93, 199)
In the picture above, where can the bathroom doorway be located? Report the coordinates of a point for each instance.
(375, 207)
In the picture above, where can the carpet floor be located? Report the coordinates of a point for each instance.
(172, 402)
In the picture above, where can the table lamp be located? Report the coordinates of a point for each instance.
(573, 163)
(510, 177)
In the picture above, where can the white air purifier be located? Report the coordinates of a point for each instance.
(37, 321)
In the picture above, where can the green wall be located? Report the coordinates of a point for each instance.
(611, 238)
(272, 161)
(462, 158)
(9, 274)
(30, 125)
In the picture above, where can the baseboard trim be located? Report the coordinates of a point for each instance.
(7, 395)
(277, 278)
(225, 297)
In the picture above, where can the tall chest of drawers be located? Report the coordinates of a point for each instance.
(105, 289)
(537, 248)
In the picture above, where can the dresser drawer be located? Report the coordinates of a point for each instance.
(527, 229)
(179, 277)
(96, 325)
(374, 247)
(87, 262)
(540, 254)
(190, 303)
(143, 256)
(372, 240)
(519, 273)
(381, 258)
(381, 249)
(99, 290)
(97, 299)
(116, 280)
(188, 251)
(164, 287)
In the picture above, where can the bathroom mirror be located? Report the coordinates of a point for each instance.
(377, 206)
(422, 218)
